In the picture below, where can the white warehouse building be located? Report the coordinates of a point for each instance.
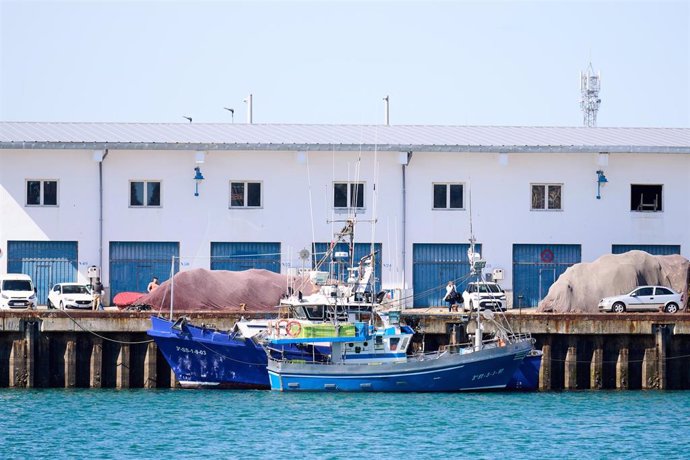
(127, 199)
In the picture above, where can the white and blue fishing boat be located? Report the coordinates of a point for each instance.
(365, 357)
(368, 358)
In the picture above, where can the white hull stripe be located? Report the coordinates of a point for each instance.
(343, 376)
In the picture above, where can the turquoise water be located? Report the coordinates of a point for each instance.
(55, 423)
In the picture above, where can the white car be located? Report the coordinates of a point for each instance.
(653, 298)
(70, 295)
(484, 295)
(17, 291)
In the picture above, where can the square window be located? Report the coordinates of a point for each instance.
(145, 194)
(646, 198)
(41, 193)
(245, 194)
(348, 195)
(448, 196)
(547, 197)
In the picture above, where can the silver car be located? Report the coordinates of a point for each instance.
(653, 298)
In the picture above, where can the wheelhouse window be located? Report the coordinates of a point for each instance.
(449, 196)
(646, 198)
(348, 195)
(144, 194)
(41, 192)
(547, 197)
(245, 194)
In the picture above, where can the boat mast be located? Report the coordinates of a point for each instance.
(476, 267)
(172, 285)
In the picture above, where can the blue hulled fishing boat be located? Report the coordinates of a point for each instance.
(373, 357)
(376, 359)
(202, 357)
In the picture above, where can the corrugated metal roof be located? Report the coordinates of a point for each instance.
(217, 136)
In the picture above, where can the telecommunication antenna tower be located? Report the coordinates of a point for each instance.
(590, 84)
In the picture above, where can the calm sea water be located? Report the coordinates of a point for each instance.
(140, 424)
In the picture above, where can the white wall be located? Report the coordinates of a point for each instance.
(76, 217)
(500, 202)
(288, 180)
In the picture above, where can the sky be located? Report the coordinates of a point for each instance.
(495, 63)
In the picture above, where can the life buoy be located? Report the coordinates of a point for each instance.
(282, 324)
(290, 328)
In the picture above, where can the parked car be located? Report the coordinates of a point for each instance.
(484, 295)
(17, 291)
(643, 298)
(70, 295)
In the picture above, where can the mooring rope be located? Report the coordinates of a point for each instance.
(122, 342)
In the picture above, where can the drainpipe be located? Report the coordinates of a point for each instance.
(100, 209)
(405, 158)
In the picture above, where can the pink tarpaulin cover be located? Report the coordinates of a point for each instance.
(211, 290)
(125, 299)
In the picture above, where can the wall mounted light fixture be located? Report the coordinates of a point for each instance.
(198, 177)
(601, 179)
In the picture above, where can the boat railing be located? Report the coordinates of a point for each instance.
(487, 343)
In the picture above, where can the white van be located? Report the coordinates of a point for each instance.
(17, 291)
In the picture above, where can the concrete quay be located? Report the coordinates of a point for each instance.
(587, 351)
(580, 351)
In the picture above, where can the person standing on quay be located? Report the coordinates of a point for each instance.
(97, 293)
(153, 284)
(451, 295)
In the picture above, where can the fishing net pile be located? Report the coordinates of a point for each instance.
(215, 290)
(581, 287)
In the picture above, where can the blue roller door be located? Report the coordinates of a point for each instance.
(653, 249)
(537, 266)
(47, 262)
(244, 256)
(433, 265)
(340, 269)
(134, 263)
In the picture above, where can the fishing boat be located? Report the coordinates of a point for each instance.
(373, 357)
(205, 357)
(369, 358)
(202, 356)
